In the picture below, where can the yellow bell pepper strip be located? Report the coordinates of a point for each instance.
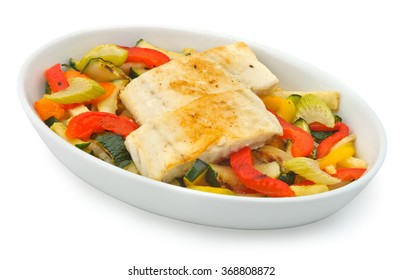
(303, 143)
(211, 189)
(342, 130)
(349, 174)
(243, 166)
(283, 107)
(343, 152)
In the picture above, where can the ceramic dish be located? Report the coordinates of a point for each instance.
(190, 205)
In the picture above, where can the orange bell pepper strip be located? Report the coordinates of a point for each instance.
(303, 143)
(47, 108)
(83, 125)
(55, 78)
(243, 166)
(72, 73)
(342, 130)
(109, 89)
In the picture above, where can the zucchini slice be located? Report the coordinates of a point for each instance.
(134, 69)
(114, 144)
(103, 71)
(271, 169)
(301, 123)
(201, 174)
(295, 98)
(50, 121)
(109, 52)
(110, 104)
(288, 178)
(331, 98)
(313, 109)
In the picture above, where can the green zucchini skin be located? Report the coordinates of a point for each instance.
(50, 121)
(288, 178)
(301, 123)
(114, 144)
(318, 136)
(103, 71)
(201, 168)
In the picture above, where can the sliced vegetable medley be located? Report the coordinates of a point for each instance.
(316, 152)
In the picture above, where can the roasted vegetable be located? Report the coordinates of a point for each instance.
(79, 90)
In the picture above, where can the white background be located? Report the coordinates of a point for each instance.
(55, 226)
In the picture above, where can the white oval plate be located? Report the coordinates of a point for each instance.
(189, 205)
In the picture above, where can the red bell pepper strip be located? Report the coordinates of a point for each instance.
(303, 143)
(325, 146)
(305, 183)
(55, 78)
(151, 58)
(83, 125)
(242, 165)
(349, 174)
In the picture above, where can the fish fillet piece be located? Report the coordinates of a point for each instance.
(209, 128)
(179, 82)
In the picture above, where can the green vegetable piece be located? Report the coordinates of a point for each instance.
(201, 171)
(136, 71)
(295, 98)
(288, 178)
(309, 169)
(301, 123)
(108, 52)
(197, 170)
(132, 74)
(321, 135)
(50, 121)
(103, 71)
(271, 169)
(80, 90)
(82, 146)
(337, 118)
(311, 108)
(211, 177)
(114, 144)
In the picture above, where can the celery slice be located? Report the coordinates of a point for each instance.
(311, 108)
(80, 90)
(309, 169)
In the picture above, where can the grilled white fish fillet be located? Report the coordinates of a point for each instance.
(178, 82)
(209, 128)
